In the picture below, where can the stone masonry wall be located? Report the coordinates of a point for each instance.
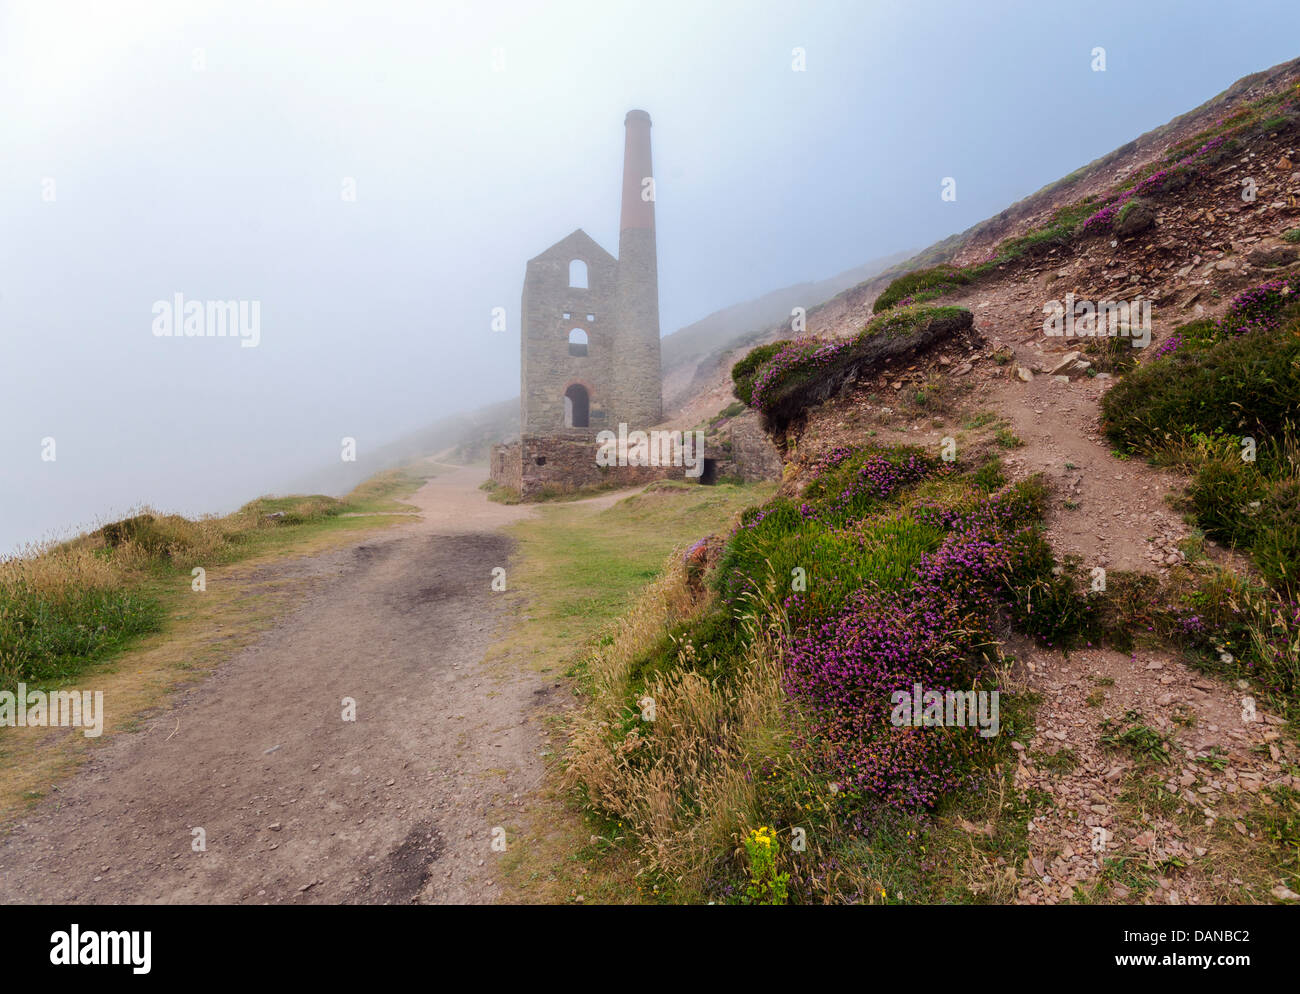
(547, 368)
(506, 467)
(568, 462)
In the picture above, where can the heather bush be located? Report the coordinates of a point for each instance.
(808, 372)
(1248, 384)
(848, 486)
(1261, 308)
(1210, 386)
(742, 373)
(1175, 176)
(1253, 505)
(843, 668)
(792, 365)
(909, 567)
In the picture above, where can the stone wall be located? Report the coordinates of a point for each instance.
(739, 449)
(547, 368)
(638, 366)
(567, 462)
(506, 466)
(752, 452)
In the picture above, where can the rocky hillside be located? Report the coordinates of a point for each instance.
(1211, 220)
(984, 495)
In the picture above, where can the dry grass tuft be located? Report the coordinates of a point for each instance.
(682, 786)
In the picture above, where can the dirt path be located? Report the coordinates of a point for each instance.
(297, 804)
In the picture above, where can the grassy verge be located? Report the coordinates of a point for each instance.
(158, 630)
(579, 567)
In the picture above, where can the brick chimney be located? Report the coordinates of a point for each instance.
(638, 377)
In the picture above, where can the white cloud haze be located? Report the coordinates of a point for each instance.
(224, 182)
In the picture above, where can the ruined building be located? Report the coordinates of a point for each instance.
(590, 342)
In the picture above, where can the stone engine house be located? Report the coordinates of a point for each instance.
(590, 342)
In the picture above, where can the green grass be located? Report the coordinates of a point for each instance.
(1062, 761)
(1143, 743)
(835, 564)
(580, 566)
(48, 639)
(1008, 439)
(1058, 231)
(921, 285)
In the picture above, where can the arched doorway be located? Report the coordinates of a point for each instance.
(576, 407)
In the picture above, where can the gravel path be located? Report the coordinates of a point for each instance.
(297, 804)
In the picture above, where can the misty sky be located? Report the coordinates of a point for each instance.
(202, 148)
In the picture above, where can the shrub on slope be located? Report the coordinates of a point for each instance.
(920, 286)
(742, 373)
(808, 372)
(1220, 399)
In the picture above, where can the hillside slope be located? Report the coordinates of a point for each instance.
(1034, 213)
(1101, 528)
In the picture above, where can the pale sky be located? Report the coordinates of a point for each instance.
(148, 149)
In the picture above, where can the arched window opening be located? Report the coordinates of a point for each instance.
(576, 407)
(578, 274)
(577, 342)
